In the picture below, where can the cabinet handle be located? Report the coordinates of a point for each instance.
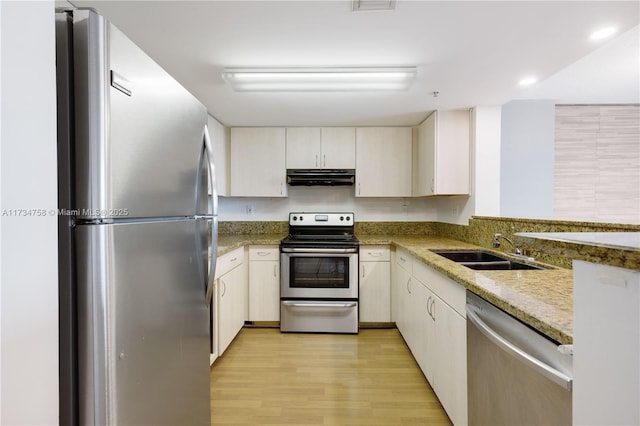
(274, 270)
(408, 282)
(358, 188)
(374, 253)
(263, 253)
(224, 288)
(362, 271)
(316, 160)
(403, 259)
(234, 259)
(324, 160)
(433, 309)
(280, 188)
(429, 305)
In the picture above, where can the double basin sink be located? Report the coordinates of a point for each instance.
(483, 260)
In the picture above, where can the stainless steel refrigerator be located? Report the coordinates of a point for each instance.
(137, 233)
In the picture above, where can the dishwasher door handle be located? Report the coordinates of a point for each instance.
(546, 370)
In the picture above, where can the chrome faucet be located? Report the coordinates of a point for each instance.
(496, 243)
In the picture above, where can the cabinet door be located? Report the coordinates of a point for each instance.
(375, 292)
(303, 148)
(220, 138)
(450, 361)
(401, 281)
(424, 158)
(257, 163)
(225, 313)
(441, 154)
(338, 148)
(231, 306)
(425, 334)
(264, 290)
(383, 161)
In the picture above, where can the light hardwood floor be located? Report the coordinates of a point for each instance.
(269, 378)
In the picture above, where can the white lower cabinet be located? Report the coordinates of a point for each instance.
(400, 287)
(375, 283)
(264, 283)
(429, 310)
(231, 297)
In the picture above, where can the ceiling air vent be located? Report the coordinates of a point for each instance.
(366, 5)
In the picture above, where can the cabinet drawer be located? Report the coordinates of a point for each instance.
(228, 261)
(404, 259)
(375, 253)
(264, 253)
(452, 293)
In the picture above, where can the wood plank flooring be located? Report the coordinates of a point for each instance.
(269, 378)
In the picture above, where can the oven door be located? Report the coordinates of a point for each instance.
(327, 274)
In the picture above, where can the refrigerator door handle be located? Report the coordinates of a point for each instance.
(212, 260)
(214, 226)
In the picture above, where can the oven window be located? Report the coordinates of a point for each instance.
(319, 272)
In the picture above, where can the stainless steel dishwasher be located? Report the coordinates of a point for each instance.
(515, 375)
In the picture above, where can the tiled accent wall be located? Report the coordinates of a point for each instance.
(597, 163)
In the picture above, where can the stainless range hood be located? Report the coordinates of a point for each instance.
(321, 177)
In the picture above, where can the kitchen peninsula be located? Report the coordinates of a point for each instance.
(606, 352)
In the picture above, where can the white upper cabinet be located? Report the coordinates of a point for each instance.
(441, 154)
(257, 162)
(383, 161)
(321, 148)
(220, 139)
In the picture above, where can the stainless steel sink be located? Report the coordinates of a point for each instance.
(482, 260)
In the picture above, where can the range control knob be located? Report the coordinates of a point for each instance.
(341, 217)
(348, 218)
(295, 218)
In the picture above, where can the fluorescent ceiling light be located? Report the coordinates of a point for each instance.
(318, 79)
(366, 5)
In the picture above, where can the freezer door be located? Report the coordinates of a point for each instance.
(139, 133)
(143, 329)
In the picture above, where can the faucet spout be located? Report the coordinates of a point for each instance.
(496, 243)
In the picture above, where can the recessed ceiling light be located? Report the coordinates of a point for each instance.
(602, 33)
(528, 81)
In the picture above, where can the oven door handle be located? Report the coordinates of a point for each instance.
(319, 250)
(320, 305)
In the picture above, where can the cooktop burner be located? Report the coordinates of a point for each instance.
(321, 230)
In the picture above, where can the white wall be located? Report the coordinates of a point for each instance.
(28, 249)
(526, 158)
(328, 199)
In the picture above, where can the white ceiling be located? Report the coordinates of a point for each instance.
(472, 53)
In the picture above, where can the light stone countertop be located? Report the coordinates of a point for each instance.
(621, 249)
(543, 299)
(227, 243)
